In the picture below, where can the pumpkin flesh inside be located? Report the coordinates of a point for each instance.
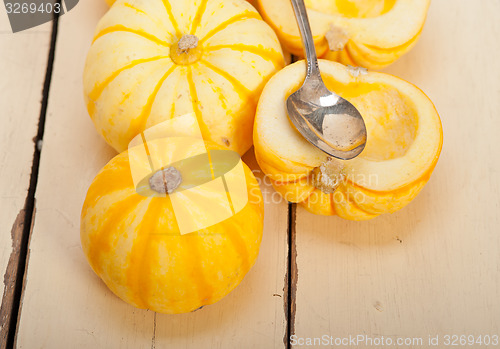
(390, 117)
(352, 8)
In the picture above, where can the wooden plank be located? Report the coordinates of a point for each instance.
(252, 316)
(433, 267)
(24, 62)
(64, 304)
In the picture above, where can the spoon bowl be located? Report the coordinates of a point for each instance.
(326, 120)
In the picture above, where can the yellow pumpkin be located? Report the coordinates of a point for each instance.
(134, 243)
(111, 2)
(153, 60)
(403, 144)
(367, 33)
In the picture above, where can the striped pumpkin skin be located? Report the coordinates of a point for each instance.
(135, 77)
(378, 32)
(132, 242)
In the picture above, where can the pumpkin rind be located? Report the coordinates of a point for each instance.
(375, 41)
(111, 2)
(131, 82)
(133, 244)
(403, 146)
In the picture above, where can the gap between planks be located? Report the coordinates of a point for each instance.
(292, 272)
(291, 276)
(21, 230)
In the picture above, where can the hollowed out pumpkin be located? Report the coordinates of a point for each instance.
(403, 145)
(367, 33)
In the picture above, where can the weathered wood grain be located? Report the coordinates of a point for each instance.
(65, 305)
(23, 58)
(433, 267)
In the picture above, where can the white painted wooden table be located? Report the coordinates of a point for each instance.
(432, 269)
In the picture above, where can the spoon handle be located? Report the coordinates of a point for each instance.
(307, 38)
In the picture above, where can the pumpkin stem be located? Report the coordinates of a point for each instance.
(187, 42)
(166, 180)
(328, 176)
(336, 37)
(186, 51)
(356, 71)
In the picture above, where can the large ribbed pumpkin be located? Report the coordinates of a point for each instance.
(367, 33)
(134, 244)
(403, 144)
(153, 60)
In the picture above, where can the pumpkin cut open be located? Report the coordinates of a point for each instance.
(403, 144)
(367, 33)
(154, 60)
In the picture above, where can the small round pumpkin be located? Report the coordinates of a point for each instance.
(403, 144)
(134, 244)
(153, 60)
(367, 33)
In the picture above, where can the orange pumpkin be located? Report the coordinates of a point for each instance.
(134, 244)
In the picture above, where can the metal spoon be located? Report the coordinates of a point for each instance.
(325, 119)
